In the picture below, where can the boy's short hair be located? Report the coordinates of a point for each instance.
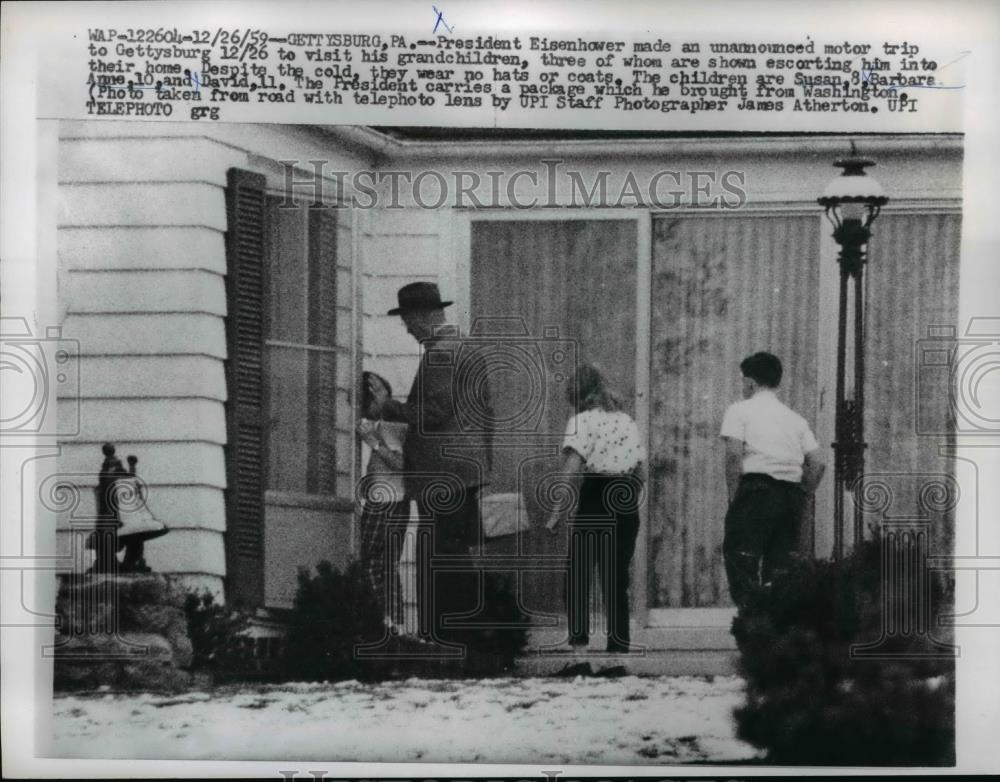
(765, 368)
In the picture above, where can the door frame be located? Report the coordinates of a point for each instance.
(456, 275)
(722, 616)
(459, 280)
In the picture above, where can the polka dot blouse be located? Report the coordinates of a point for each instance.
(608, 442)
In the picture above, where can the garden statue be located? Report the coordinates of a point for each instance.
(123, 520)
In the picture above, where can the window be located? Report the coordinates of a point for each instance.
(300, 348)
(289, 333)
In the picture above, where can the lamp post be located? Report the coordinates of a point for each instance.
(852, 202)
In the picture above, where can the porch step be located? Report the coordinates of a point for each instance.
(658, 651)
(664, 662)
(648, 638)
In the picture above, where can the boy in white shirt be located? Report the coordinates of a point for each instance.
(772, 462)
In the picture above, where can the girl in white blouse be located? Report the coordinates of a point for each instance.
(604, 458)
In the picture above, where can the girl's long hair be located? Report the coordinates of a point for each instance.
(366, 394)
(592, 391)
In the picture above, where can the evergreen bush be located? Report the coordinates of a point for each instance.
(335, 612)
(809, 701)
(220, 642)
(493, 648)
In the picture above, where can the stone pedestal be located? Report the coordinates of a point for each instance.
(126, 632)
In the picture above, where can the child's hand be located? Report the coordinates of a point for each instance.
(379, 394)
(552, 523)
(366, 430)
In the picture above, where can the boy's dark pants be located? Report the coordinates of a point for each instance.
(762, 532)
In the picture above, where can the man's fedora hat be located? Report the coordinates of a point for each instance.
(418, 296)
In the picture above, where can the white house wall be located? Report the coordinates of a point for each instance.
(141, 224)
(142, 262)
(399, 246)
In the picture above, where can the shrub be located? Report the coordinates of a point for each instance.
(220, 642)
(494, 648)
(809, 702)
(334, 612)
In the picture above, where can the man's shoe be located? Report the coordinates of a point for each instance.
(613, 672)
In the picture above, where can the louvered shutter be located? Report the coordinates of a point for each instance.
(322, 466)
(245, 409)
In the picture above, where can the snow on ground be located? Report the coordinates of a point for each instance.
(631, 720)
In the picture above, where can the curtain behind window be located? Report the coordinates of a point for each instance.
(723, 287)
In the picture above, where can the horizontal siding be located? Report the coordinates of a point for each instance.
(142, 261)
(403, 222)
(195, 551)
(193, 507)
(148, 247)
(146, 160)
(389, 350)
(381, 292)
(137, 420)
(408, 255)
(194, 334)
(399, 247)
(386, 336)
(143, 204)
(142, 271)
(188, 551)
(146, 291)
(139, 376)
(173, 463)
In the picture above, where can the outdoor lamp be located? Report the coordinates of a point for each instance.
(852, 201)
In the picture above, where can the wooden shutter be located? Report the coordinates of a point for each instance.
(245, 409)
(322, 327)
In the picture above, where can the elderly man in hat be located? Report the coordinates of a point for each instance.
(446, 455)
